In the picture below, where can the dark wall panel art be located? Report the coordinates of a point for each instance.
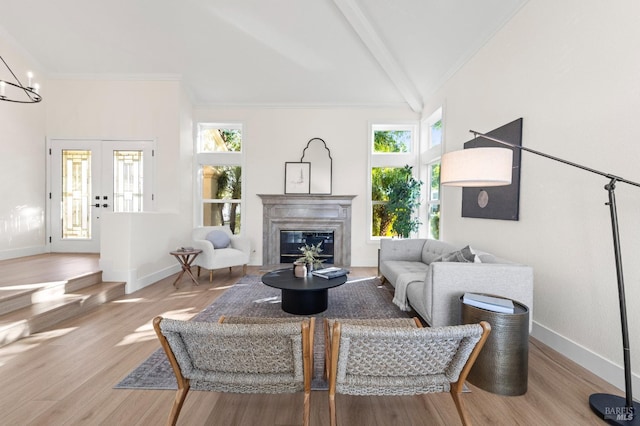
(497, 202)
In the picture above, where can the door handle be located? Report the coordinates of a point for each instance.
(96, 205)
(105, 205)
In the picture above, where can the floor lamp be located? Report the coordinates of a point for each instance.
(479, 167)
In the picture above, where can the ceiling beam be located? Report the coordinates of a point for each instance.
(369, 36)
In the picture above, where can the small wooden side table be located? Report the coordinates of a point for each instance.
(186, 257)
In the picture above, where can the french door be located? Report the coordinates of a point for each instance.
(89, 178)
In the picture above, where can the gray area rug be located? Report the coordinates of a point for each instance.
(357, 298)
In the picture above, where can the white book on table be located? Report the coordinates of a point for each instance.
(495, 304)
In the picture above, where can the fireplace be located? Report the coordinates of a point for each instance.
(291, 241)
(319, 214)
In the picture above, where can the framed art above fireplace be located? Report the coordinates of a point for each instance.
(297, 178)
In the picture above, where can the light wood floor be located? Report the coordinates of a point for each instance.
(66, 376)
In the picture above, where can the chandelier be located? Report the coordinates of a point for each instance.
(16, 92)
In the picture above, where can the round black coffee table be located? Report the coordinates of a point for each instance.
(302, 296)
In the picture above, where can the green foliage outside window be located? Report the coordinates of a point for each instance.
(434, 209)
(400, 193)
(222, 182)
(394, 191)
(391, 141)
(221, 140)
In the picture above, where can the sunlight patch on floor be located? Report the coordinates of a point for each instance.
(33, 286)
(269, 300)
(135, 300)
(138, 337)
(357, 280)
(7, 353)
(145, 332)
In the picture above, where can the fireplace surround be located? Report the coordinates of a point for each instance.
(309, 212)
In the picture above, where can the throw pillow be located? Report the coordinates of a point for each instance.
(476, 257)
(219, 239)
(462, 255)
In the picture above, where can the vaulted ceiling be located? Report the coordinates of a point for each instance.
(261, 52)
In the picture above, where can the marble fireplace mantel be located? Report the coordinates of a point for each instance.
(294, 212)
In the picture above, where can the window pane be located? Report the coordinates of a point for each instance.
(76, 194)
(392, 141)
(433, 213)
(434, 190)
(381, 180)
(435, 133)
(434, 221)
(221, 182)
(128, 181)
(216, 214)
(220, 139)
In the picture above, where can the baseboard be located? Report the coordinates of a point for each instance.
(153, 278)
(22, 252)
(601, 367)
(130, 276)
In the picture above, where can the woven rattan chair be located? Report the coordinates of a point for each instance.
(250, 356)
(375, 360)
(373, 322)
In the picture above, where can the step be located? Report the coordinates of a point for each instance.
(15, 297)
(45, 314)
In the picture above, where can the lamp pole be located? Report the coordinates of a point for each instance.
(612, 408)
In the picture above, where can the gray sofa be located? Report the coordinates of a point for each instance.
(425, 278)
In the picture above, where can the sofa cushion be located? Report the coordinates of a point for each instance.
(463, 255)
(391, 269)
(219, 239)
(433, 249)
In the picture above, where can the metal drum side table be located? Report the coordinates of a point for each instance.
(503, 364)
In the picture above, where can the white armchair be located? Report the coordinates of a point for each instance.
(237, 253)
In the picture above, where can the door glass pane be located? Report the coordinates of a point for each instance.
(76, 194)
(128, 181)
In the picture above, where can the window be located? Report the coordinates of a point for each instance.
(433, 202)
(393, 148)
(222, 138)
(430, 171)
(220, 175)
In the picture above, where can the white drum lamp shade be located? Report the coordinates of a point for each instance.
(477, 167)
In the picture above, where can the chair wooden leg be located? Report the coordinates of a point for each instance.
(332, 409)
(462, 412)
(181, 395)
(211, 276)
(307, 409)
(198, 272)
(229, 269)
(327, 349)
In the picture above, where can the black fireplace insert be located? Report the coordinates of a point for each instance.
(291, 241)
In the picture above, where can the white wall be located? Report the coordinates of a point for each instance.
(129, 110)
(571, 70)
(22, 164)
(273, 136)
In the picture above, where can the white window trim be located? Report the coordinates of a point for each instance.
(200, 159)
(390, 159)
(429, 155)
